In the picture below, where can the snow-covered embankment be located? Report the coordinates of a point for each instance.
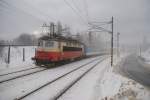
(117, 87)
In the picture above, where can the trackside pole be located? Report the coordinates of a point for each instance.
(23, 54)
(112, 43)
(8, 59)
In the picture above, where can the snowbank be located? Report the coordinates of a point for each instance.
(117, 87)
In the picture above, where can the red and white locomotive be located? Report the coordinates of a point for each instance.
(56, 49)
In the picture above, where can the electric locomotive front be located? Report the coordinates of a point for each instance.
(47, 51)
(58, 49)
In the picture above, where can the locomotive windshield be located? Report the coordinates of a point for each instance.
(49, 43)
(46, 43)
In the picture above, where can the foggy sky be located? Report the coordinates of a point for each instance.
(131, 17)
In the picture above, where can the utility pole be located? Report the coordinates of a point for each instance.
(23, 59)
(51, 28)
(47, 26)
(90, 38)
(118, 51)
(8, 61)
(112, 41)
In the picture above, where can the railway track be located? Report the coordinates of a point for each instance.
(18, 71)
(9, 76)
(4, 79)
(75, 81)
(62, 76)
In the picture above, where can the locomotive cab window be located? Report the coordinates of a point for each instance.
(49, 43)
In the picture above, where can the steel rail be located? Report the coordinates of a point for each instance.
(6, 80)
(52, 81)
(21, 76)
(18, 71)
(75, 81)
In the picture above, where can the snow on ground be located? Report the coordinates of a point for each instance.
(117, 87)
(102, 83)
(144, 59)
(146, 56)
(16, 58)
(21, 86)
(9, 76)
(145, 64)
(55, 88)
(88, 87)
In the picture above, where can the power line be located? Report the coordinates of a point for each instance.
(94, 26)
(78, 9)
(86, 9)
(8, 5)
(38, 10)
(76, 5)
(75, 12)
(100, 23)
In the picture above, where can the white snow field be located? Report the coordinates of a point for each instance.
(117, 87)
(88, 87)
(15, 88)
(16, 58)
(101, 83)
(51, 91)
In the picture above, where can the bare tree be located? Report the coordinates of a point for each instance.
(25, 39)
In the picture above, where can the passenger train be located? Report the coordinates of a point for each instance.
(57, 49)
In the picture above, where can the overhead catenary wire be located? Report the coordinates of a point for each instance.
(47, 16)
(97, 27)
(99, 23)
(78, 9)
(8, 9)
(76, 6)
(86, 9)
(7, 5)
(4, 7)
(5, 10)
(76, 12)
